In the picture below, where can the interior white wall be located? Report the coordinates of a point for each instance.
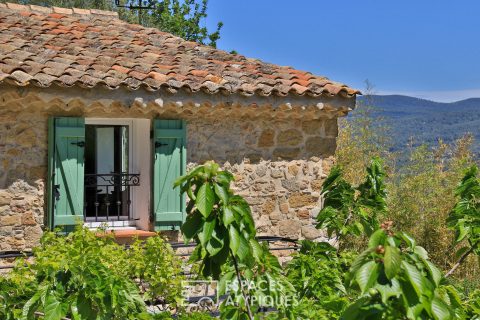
(141, 164)
(104, 152)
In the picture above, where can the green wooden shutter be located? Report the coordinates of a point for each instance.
(66, 171)
(169, 143)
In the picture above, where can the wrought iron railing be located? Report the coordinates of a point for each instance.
(108, 196)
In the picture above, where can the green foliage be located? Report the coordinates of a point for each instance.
(264, 286)
(182, 18)
(397, 280)
(222, 225)
(421, 181)
(352, 210)
(220, 222)
(16, 288)
(363, 135)
(464, 219)
(317, 273)
(73, 280)
(393, 278)
(422, 194)
(83, 276)
(472, 306)
(155, 269)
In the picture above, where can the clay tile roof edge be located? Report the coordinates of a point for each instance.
(106, 51)
(68, 11)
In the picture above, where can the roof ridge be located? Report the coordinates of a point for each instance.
(59, 10)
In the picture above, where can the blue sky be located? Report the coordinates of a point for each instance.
(424, 48)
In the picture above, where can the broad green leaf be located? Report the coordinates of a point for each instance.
(228, 216)
(53, 308)
(242, 208)
(205, 199)
(193, 224)
(415, 277)
(179, 181)
(408, 239)
(214, 246)
(206, 234)
(421, 252)
(389, 290)
(29, 307)
(243, 249)
(257, 250)
(392, 260)
(377, 238)
(435, 273)
(190, 193)
(194, 172)
(84, 309)
(224, 177)
(234, 239)
(222, 192)
(354, 311)
(462, 232)
(440, 310)
(247, 226)
(367, 275)
(360, 260)
(226, 279)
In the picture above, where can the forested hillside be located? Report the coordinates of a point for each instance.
(426, 121)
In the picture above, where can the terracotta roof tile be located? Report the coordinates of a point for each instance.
(44, 46)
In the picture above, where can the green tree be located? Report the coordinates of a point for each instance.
(465, 216)
(352, 211)
(223, 228)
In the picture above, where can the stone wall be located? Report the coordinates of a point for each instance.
(279, 166)
(279, 161)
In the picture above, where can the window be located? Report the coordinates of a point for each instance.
(115, 170)
(107, 175)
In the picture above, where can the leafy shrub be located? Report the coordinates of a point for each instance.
(472, 306)
(352, 210)
(396, 279)
(317, 273)
(85, 276)
(16, 288)
(464, 218)
(223, 228)
(420, 181)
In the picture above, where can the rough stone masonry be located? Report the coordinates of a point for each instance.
(279, 161)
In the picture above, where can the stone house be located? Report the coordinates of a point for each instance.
(98, 117)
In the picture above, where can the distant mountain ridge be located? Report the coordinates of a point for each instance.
(426, 121)
(402, 100)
